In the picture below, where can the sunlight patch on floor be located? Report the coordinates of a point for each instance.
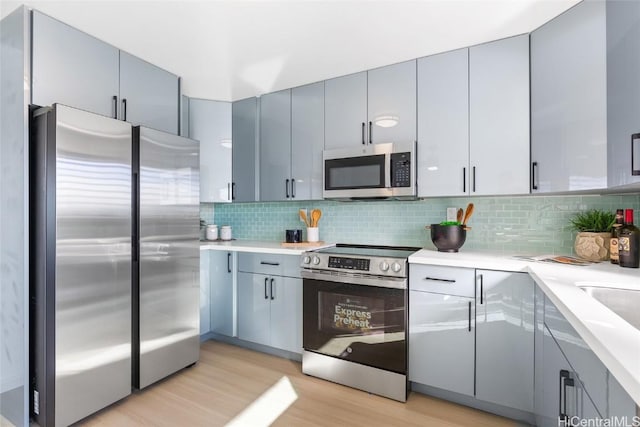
(268, 407)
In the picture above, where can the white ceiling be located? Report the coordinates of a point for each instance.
(233, 49)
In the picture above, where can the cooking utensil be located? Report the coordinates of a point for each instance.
(459, 215)
(303, 217)
(468, 213)
(316, 214)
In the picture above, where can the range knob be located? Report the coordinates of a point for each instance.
(396, 267)
(384, 266)
(306, 259)
(315, 260)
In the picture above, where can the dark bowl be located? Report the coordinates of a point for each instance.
(448, 238)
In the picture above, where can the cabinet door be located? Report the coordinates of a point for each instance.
(391, 103)
(591, 370)
(623, 91)
(499, 117)
(504, 338)
(210, 123)
(253, 308)
(243, 128)
(557, 395)
(443, 124)
(345, 111)
(275, 146)
(441, 341)
(569, 101)
(222, 289)
(620, 403)
(149, 95)
(307, 141)
(72, 68)
(205, 293)
(286, 313)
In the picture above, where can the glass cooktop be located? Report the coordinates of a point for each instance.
(368, 250)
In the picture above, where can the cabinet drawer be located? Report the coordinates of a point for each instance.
(442, 280)
(261, 263)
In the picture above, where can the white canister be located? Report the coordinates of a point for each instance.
(313, 234)
(225, 232)
(212, 232)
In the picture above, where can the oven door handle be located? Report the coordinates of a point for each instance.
(381, 282)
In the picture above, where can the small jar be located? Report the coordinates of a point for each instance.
(225, 232)
(212, 232)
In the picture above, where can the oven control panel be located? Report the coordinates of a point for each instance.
(360, 264)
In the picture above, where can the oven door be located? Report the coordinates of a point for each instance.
(358, 323)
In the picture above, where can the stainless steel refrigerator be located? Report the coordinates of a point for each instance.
(89, 302)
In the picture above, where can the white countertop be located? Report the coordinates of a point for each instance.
(612, 339)
(259, 246)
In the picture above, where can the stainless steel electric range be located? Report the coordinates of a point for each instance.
(355, 317)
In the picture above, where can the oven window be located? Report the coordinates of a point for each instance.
(363, 324)
(355, 172)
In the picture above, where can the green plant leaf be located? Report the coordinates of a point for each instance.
(594, 220)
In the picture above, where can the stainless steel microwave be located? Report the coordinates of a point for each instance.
(377, 171)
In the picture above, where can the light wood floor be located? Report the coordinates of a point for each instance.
(227, 379)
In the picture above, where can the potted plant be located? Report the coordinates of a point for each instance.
(594, 234)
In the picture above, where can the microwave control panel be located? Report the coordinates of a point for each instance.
(401, 169)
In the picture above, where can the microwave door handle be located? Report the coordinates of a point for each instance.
(387, 170)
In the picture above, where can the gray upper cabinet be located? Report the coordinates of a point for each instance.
(149, 95)
(244, 116)
(210, 123)
(443, 124)
(307, 140)
(505, 338)
(275, 146)
(569, 101)
(371, 107)
(345, 111)
(499, 117)
(623, 92)
(76, 69)
(391, 103)
(73, 68)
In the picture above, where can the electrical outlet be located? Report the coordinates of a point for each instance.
(306, 213)
(452, 214)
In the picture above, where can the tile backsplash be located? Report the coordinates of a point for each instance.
(518, 224)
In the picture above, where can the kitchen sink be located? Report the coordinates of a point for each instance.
(623, 302)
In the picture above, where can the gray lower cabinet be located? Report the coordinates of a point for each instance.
(621, 405)
(307, 141)
(623, 92)
(442, 327)
(210, 123)
(244, 116)
(499, 117)
(562, 398)
(504, 338)
(149, 95)
(270, 300)
(443, 124)
(205, 293)
(591, 371)
(73, 68)
(222, 288)
(569, 113)
(275, 146)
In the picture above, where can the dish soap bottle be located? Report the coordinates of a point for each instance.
(615, 233)
(629, 242)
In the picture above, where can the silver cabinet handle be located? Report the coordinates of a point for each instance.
(228, 191)
(271, 289)
(474, 179)
(481, 289)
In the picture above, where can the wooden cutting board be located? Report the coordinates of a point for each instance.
(301, 244)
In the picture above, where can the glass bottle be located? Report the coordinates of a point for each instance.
(615, 233)
(629, 242)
